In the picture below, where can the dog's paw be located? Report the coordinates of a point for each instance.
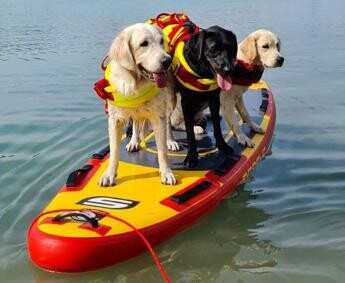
(245, 141)
(191, 160)
(173, 145)
(168, 178)
(132, 146)
(107, 180)
(257, 129)
(198, 130)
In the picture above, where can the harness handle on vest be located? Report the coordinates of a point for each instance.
(165, 19)
(158, 19)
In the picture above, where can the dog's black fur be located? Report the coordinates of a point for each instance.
(208, 52)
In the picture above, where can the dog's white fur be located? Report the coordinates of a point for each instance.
(139, 129)
(127, 53)
(251, 51)
(262, 49)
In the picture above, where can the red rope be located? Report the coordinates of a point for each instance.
(147, 243)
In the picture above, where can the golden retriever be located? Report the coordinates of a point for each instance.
(261, 49)
(138, 59)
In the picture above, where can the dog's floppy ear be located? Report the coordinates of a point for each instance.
(200, 42)
(249, 49)
(120, 51)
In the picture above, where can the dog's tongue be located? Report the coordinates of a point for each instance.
(225, 83)
(160, 79)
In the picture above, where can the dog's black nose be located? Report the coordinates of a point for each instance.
(280, 61)
(166, 62)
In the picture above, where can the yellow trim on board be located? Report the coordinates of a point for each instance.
(257, 139)
(259, 85)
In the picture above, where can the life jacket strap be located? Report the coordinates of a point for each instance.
(187, 76)
(189, 80)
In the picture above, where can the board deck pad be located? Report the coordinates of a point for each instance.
(206, 143)
(65, 242)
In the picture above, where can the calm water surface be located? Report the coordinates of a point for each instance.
(285, 225)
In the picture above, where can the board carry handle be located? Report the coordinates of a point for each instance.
(101, 154)
(192, 192)
(93, 221)
(75, 176)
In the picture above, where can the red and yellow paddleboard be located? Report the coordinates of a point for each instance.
(77, 231)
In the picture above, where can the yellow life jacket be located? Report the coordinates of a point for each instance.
(145, 93)
(177, 28)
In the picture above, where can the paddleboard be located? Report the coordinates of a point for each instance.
(79, 230)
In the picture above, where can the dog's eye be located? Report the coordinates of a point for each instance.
(266, 46)
(162, 41)
(144, 43)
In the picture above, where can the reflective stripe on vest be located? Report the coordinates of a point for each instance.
(187, 76)
(129, 101)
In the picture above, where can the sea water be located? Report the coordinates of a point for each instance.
(285, 225)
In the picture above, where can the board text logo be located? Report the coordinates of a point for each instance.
(108, 202)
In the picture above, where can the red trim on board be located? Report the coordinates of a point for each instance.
(49, 220)
(101, 230)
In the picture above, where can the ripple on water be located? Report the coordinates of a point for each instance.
(59, 154)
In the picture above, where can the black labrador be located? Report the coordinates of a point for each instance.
(210, 53)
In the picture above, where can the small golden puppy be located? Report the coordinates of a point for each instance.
(260, 49)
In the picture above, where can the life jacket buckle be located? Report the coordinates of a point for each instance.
(99, 88)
